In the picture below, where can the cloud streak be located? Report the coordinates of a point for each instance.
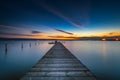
(12, 29)
(64, 32)
(57, 13)
(16, 34)
(36, 32)
(113, 34)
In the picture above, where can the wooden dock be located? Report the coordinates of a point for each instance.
(59, 64)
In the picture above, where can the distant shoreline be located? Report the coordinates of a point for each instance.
(82, 39)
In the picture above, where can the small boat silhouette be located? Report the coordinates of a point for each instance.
(52, 42)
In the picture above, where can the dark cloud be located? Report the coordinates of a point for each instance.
(64, 31)
(16, 34)
(36, 32)
(115, 33)
(111, 33)
(13, 27)
(5, 28)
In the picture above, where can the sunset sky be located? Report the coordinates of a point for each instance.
(59, 19)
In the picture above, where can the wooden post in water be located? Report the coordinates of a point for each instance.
(38, 42)
(22, 46)
(30, 44)
(6, 47)
(35, 43)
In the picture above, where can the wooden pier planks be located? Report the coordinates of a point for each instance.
(59, 64)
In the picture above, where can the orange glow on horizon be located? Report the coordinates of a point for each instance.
(116, 39)
(103, 39)
(62, 36)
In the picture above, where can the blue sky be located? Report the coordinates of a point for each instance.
(59, 18)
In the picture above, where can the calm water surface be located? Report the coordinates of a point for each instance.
(101, 57)
(19, 57)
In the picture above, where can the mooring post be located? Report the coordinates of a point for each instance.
(6, 47)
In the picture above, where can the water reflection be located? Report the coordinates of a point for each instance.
(101, 57)
(6, 48)
(22, 46)
(35, 43)
(104, 51)
(30, 44)
(22, 56)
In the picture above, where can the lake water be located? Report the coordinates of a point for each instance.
(101, 57)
